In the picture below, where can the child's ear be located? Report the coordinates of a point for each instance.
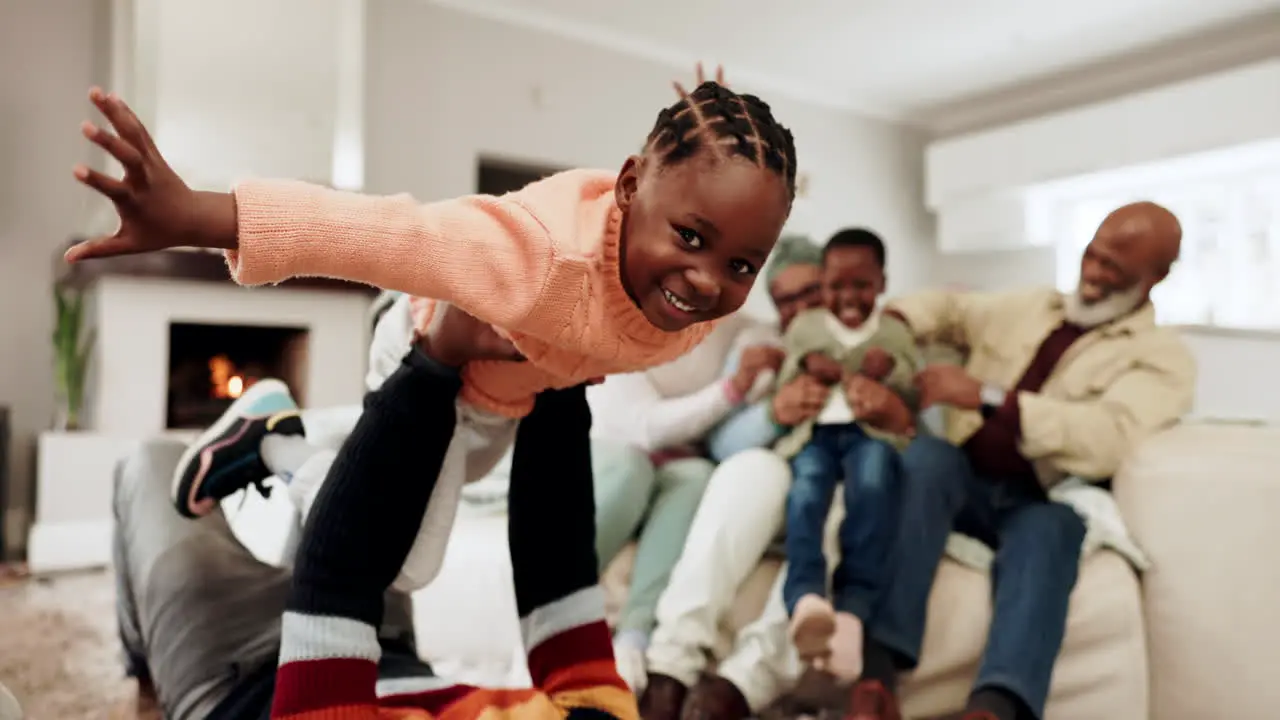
(624, 191)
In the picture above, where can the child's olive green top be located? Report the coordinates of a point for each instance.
(811, 332)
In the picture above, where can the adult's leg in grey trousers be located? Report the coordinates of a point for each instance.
(197, 610)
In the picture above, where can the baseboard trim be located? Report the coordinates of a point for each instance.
(57, 547)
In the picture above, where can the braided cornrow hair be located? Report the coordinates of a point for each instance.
(715, 117)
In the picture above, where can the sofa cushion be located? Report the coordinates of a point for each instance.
(1203, 502)
(1101, 672)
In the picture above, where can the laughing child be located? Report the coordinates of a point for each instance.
(842, 343)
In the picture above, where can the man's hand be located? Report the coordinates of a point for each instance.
(699, 78)
(948, 385)
(456, 338)
(799, 400)
(878, 406)
(755, 360)
(877, 364)
(822, 367)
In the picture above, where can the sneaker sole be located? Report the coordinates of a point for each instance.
(183, 497)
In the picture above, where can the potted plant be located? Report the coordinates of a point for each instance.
(71, 348)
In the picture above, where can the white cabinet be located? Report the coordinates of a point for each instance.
(72, 529)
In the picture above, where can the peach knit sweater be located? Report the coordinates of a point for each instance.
(540, 264)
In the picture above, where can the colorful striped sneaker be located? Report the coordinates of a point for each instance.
(226, 458)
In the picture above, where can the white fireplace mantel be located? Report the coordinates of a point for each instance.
(128, 385)
(133, 317)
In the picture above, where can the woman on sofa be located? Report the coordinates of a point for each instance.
(651, 468)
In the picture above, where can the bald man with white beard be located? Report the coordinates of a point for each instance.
(1055, 386)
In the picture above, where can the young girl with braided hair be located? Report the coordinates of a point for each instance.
(585, 273)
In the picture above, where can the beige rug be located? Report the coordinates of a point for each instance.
(59, 648)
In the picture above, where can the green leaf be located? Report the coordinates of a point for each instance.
(72, 347)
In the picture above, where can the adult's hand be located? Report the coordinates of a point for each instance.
(755, 360)
(823, 367)
(947, 384)
(878, 406)
(877, 364)
(699, 78)
(799, 400)
(457, 338)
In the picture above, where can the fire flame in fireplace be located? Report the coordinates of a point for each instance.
(227, 383)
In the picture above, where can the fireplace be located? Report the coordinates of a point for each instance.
(210, 365)
(161, 319)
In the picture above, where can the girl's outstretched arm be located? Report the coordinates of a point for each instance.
(488, 255)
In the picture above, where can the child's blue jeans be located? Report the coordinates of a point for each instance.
(870, 469)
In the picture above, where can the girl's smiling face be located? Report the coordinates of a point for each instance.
(696, 234)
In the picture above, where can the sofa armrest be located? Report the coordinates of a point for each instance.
(1204, 502)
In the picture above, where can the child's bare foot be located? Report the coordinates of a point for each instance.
(846, 647)
(813, 623)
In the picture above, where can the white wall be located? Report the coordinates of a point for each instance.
(51, 51)
(1236, 374)
(997, 270)
(443, 87)
(983, 184)
(243, 87)
(1221, 110)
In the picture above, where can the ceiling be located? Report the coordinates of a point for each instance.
(899, 59)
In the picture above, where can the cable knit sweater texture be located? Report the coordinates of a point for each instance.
(540, 264)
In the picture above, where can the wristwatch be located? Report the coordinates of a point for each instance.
(991, 397)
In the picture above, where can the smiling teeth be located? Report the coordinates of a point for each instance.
(677, 302)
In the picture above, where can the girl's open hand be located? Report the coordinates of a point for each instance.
(157, 210)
